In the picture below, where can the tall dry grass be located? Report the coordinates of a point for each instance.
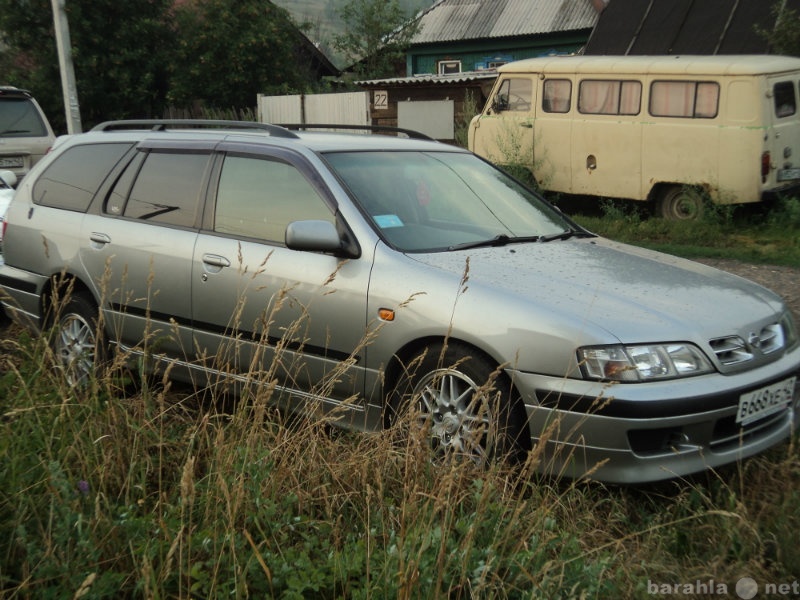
(135, 486)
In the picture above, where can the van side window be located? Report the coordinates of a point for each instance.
(609, 97)
(514, 94)
(785, 103)
(167, 189)
(258, 198)
(557, 95)
(692, 99)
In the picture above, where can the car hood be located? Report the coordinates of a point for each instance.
(634, 294)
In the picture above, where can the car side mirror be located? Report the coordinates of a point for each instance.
(313, 236)
(9, 178)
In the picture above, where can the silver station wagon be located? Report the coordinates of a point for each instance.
(374, 275)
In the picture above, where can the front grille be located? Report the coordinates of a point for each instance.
(733, 350)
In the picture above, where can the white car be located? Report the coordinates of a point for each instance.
(7, 182)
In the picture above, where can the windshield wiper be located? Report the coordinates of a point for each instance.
(498, 240)
(564, 235)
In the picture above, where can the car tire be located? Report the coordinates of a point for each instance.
(464, 403)
(78, 343)
(681, 203)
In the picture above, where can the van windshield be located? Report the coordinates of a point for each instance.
(435, 201)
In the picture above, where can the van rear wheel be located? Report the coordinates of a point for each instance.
(680, 203)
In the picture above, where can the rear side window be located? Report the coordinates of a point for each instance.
(609, 97)
(73, 178)
(165, 190)
(690, 99)
(19, 117)
(785, 103)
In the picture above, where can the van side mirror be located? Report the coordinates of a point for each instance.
(500, 103)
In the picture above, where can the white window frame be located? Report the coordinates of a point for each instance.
(443, 65)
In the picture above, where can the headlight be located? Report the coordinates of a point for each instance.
(642, 363)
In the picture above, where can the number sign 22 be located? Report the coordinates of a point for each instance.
(381, 99)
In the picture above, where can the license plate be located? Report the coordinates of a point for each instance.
(11, 162)
(766, 401)
(787, 174)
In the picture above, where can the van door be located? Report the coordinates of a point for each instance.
(784, 139)
(607, 139)
(503, 133)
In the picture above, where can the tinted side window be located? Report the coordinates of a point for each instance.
(692, 99)
(785, 104)
(167, 189)
(258, 198)
(72, 179)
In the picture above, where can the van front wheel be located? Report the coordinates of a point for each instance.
(680, 203)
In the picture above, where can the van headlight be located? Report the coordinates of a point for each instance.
(642, 362)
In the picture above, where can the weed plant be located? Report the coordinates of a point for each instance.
(155, 494)
(761, 233)
(132, 486)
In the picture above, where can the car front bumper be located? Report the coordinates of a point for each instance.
(643, 432)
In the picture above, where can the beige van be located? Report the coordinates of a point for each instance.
(668, 129)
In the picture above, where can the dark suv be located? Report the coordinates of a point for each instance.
(364, 275)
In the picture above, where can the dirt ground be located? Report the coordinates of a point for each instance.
(781, 280)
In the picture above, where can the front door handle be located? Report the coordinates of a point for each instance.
(214, 260)
(99, 240)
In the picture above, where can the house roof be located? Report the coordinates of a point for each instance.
(428, 79)
(456, 20)
(684, 27)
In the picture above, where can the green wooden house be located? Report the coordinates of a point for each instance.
(474, 35)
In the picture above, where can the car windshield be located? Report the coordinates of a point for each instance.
(435, 201)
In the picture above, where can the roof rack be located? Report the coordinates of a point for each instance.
(165, 124)
(416, 135)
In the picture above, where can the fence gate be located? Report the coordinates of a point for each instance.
(351, 108)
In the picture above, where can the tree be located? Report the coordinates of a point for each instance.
(377, 35)
(785, 36)
(120, 50)
(232, 50)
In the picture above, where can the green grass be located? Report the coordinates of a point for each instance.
(767, 234)
(146, 491)
(130, 487)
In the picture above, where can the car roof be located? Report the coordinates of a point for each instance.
(9, 91)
